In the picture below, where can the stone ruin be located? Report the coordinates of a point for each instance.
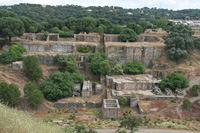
(124, 53)
(87, 89)
(156, 90)
(111, 109)
(168, 91)
(17, 65)
(77, 90)
(112, 38)
(98, 89)
(53, 37)
(71, 110)
(179, 92)
(93, 37)
(138, 82)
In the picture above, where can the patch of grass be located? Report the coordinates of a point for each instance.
(15, 121)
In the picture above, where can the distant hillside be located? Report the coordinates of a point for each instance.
(117, 15)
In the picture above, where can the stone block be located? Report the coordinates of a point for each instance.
(17, 65)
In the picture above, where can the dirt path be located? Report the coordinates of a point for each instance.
(148, 131)
(193, 81)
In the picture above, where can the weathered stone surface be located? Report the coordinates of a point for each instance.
(123, 54)
(71, 110)
(111, 109)
(179, 92)
(17, 65)
(134, 102)
(98, 89)
(87, 89)
(34, 47)
(112, 38)
(88, 37)
(157, 91)
(168, 91)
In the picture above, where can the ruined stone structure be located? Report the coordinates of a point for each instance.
(111, 109)
(17, 65)
(53, 37)
(77, 90)
(124, 53)
(112, 38)
(94, 37)
(87, 89)
(120, 83)
(98, 89)
(147, 38)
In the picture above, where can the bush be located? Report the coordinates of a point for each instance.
(14, 53)
(117, 69)
(31, 67)
(195, 90)
(35, 99)
(69, 33)
(123, 100)
(174, 80)
(9, 94)
(133, 67)
(186, 103)
(59, 85)
(98, 60)
(68, 62)
(128, 35)
(83, 49)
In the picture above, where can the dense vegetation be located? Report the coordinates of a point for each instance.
(117, 15)
(133, 67)
(195, 90)
(99, 63)
(9, 94)
(14, 53)
(174, 80)
(31, 67)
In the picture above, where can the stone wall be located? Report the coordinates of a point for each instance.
(77, 105)
(123, 54)
(67, 47)
(112, 38)
(88, 37)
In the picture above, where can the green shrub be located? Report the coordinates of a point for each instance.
(29, 88)
(83, 49)
(186, 103)
(31, 67)
(14, 53)
(133, 67)
(174, 80)
(35, 99)
(195, 90)
(104, 67)
(123, 100)
(117, 69)
(9, 94)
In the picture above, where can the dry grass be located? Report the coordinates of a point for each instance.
(14, 121)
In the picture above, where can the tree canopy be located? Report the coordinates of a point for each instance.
(133, 67)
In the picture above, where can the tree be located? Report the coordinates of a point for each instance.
(117, 69)
(29, 25)
(35, 99)
(29, 88)
(104, 67)
(137, 28)
(161, 23)
(6, 13)
(83, 49)
(55, 30)
(128, 35)
(31, 67)
(9, 94)
(95, 59)
(186, 103)
(117, 29)
(59, 85)
(131, 122)
(174, 80)
(145, 25)
(133, 67)
(177, 54)
(123, 100)
(197, 43)
(11, 27)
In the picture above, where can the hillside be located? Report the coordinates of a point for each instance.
(117, 15)
(14, 121)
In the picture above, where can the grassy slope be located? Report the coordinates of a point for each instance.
(14, 121)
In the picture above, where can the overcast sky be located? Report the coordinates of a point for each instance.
(169, 4)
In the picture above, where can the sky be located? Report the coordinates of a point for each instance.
(167, 4)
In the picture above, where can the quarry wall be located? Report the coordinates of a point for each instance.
(123, 54)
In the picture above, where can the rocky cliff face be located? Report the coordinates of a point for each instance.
(123, 54)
